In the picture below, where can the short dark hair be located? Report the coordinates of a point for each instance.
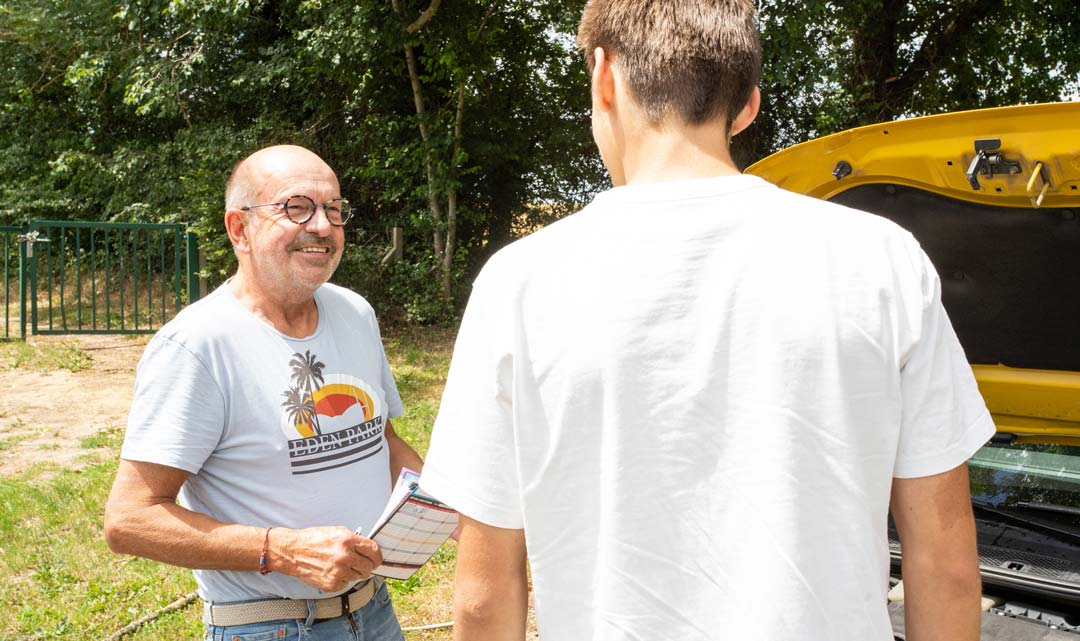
(697, 60)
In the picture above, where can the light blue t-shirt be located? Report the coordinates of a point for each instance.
(276, 431)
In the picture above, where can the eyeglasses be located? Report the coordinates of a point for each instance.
(300, 209)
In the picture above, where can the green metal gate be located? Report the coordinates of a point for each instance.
(13, 281)
(97, 278)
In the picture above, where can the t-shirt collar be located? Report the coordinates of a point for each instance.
(683, 189)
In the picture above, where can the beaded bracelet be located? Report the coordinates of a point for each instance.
(262, 556)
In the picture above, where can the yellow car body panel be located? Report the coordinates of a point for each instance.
(934, 154)
(1035, 405)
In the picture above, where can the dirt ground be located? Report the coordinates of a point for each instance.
(45, 416)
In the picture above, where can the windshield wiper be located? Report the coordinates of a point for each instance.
(1008, 514)
(1049, 507)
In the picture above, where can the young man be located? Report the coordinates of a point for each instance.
(692, 401)
(265, 408)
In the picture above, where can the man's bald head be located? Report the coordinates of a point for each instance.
(261, 169)
(277, 256)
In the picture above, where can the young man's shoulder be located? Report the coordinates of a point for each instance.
(534, 252)
(759, 203)
(807, 211)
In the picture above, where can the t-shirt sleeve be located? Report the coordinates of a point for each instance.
(178, 412)
(471, 464)
(944, 418)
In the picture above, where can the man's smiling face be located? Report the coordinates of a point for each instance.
(285, 256)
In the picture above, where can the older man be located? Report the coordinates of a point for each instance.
(259, 439)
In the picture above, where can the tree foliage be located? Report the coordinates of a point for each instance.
(830, 66)
(135, 110)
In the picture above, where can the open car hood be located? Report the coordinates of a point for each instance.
(993, 196)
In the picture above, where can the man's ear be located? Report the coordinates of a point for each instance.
(236, 226)
(603, 82)
(748, 114)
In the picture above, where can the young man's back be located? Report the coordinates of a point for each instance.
(694, 401)
(711, 396)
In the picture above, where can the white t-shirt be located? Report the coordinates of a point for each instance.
(276, 431)
(694, 396)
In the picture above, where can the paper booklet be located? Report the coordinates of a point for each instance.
(411, 528)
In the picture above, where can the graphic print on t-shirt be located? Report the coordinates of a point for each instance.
(331, 420)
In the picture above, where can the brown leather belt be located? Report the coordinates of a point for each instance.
(275, 609)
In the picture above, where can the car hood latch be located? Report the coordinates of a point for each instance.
(989, 162)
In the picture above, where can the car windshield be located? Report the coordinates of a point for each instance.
(1026, 476)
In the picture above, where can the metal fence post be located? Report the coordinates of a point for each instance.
(22, 290)
(178, 236)
(192, 267)
(32, 270)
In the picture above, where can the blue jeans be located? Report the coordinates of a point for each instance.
(375, 621)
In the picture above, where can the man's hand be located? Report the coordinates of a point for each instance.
(940, 559)
(491, 593)
(328, 558)
(142, 518)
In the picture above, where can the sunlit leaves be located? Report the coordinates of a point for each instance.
(137, 109)
(834, 65)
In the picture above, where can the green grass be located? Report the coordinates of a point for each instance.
(420, 358)
(43, 357)
(111, 438)
(58, 579)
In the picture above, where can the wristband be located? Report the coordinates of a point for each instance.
(262, 556)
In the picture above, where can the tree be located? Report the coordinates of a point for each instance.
(455, 58)
(445, 235)
(136, 110)
(830, 66)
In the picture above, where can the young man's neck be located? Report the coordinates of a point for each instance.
(677, 152)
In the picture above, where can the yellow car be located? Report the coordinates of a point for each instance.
(993, 196)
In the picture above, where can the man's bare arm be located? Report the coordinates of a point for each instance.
(401, 454)
(491, 593)
(142, 518)
(942, 588)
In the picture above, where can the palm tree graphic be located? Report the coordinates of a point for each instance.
(308, 377)
(301, 407)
